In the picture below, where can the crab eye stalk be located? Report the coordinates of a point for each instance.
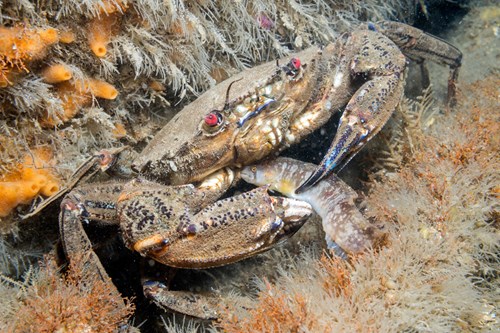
(295, 63)
(213, 123)
(213, 119)
(292, 69)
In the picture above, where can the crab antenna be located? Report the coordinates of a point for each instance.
(226, 103)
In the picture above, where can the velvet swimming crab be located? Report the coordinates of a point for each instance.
(245, 119)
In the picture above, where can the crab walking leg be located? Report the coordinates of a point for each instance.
(362, 119)
(185, 302)
(108, 161)
(331, 198)
(376, 54)
(83, 204)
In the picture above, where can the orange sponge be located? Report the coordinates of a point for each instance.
(20, 43)
(97, 88)
(29, 179)
(105, 25)
(100, 30)
(67, 36)
(102, 89)
(75, 95)
(73, 100)
(56, 73)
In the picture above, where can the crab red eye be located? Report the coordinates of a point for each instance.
(295, 62)
(212, 119)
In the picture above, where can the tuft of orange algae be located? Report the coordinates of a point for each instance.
(276, 311)
(75, 95)
(279, 310)
(337, 278)
(32, 177)
(20, 44)
(119, 131)
(52, 303)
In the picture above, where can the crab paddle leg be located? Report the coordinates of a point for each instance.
(418, 45)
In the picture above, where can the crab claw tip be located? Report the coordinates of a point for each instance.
(317, 176)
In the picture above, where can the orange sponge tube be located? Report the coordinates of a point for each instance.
(97, 88)
(100, 30)
(77, 94)
(20, 44)
(67, 37)
(49, 189)
(56, 73)
(102, 89)
(103, 27)
(29, 179)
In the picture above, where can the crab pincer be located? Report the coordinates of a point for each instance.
(376, 56)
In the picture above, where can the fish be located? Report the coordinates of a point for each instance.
(345, 227)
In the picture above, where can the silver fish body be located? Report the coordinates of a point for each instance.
(331, 198)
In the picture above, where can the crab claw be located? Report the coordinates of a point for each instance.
(342, 150)
(368, 109)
